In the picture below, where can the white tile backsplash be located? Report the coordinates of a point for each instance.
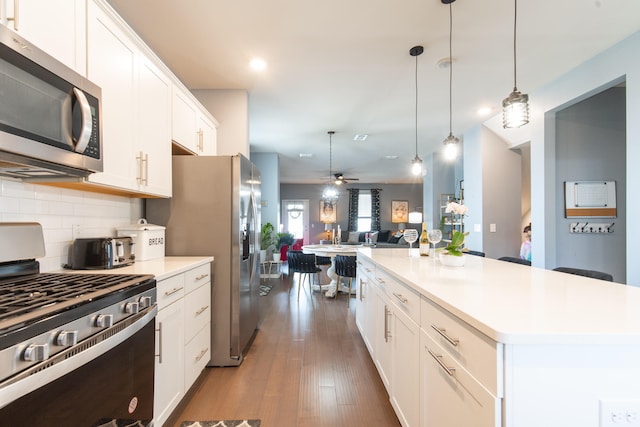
(64, 215)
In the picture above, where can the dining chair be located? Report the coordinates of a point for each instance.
(345, 266)
(586, 273)
(476, 253)
(305, 265)
(515, 260)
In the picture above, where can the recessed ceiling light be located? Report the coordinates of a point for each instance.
(360, 137)
(484, 111)
(306, 155)
(444, 63)
(390, 157)
(258, 64)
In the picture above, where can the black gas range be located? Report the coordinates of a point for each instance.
(64, 336)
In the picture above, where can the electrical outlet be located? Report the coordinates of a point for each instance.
(75, 231)
(620, 413)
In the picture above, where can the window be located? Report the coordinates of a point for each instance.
(364, 211)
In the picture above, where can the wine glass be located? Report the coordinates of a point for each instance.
(435, 236)
(410, 235)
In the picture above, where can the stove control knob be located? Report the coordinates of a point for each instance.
(145, 302)
(131, 307)
(67, 338)
(36, 353)
(104, 320)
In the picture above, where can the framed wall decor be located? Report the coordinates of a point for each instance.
(399, 211)
(590, 199)
(327, 212)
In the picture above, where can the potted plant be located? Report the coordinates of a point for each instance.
(267, 240)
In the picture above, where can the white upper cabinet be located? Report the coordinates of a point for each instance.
(154, 130)
(184, 120)
(191, 128)
(57, 27)
(135, 110)
(207, 136)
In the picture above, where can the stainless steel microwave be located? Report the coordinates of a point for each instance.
(50, 125)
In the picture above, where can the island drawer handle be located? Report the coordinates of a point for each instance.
(202, 276)
(442, 331)
(450, 371)
(379, 280)
(202, 353)
(202, 310)
(401, 297)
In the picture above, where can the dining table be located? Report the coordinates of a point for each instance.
(331, 251)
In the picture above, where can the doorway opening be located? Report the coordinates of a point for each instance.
(295, 218)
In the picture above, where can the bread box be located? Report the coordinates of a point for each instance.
(148, 238)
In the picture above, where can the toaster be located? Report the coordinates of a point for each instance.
(98, 253)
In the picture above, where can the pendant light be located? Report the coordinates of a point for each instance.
(330, 193)
(451, 143)
(515, 107)
(416, 163)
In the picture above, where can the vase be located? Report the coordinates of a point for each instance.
(263, 255)
(452, 260)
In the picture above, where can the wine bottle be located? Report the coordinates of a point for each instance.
(424, 241)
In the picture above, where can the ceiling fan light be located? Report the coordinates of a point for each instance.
(416, 166)
(515, 110)
(330, 193)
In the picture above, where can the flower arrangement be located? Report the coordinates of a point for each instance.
(456, 208)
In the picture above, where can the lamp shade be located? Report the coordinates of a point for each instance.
(415, 217)
(402, 226)
(328, 227)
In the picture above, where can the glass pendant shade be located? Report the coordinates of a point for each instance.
(451, 147)
(416, 166)
(515, 110)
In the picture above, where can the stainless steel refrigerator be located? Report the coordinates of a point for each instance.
(215, 211)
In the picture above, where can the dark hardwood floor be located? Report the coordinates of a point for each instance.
(307, 367)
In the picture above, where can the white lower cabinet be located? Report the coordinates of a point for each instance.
(405, 343)
(183, 327)
(366, 304)
(396, 347)
(450, 395)
(169, 371)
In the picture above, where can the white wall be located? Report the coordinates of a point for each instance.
(622, 62)
(269, 165)
(230, 107)
(65, 215)
(492, 192)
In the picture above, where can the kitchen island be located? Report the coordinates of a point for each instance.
(499, 344)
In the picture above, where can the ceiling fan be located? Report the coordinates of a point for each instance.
(340, 179)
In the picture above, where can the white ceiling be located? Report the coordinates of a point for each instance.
(344, 65)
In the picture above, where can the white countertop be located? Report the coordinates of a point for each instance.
(517, 304)
(161, 268)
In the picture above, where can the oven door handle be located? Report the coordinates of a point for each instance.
(66, 361)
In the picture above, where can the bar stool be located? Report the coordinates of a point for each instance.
(586, 273)
(345, 266)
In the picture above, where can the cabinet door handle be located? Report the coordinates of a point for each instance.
(202, 276)
(202, 353)
(450, 371)
(145, 161)
(16, 15)
(387, 334)
(139, 159)
(200, 140)
(401, 297)
(361, 289)
(172, 291)
(159, 342)
(202, 310)
(442, 331)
